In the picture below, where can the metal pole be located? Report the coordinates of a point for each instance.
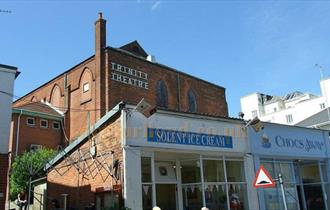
(30, 179)
(283, 192)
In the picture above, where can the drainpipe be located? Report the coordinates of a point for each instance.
(17, 132)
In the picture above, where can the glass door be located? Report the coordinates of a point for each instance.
(166, 196)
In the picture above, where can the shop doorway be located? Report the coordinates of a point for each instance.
(167, 196)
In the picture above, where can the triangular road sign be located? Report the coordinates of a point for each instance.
(263, 179)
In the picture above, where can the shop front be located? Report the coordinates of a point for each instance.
(184, 162)
(301, 156)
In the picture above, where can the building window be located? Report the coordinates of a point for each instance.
(161, 92)
(43, 123)
(192, 101)
(254, 113)
(146, 182)
(56, 125)
(322, 106)
(30, 121)
(86, 87)
(275, 109)
(289, 118)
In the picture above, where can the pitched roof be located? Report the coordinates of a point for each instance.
(38, 108)
(135, 48)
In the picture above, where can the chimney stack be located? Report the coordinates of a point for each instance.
(100, 68)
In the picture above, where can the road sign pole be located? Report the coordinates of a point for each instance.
(283, 192)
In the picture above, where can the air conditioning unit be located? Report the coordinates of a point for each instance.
(35, 147)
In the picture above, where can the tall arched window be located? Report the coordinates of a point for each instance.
(86, 85)
(192, 106)
(161, 93)
(55, 97)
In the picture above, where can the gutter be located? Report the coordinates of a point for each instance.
(36, 114)
(17, 132)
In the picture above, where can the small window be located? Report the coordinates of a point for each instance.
(192, 104)
(43, 123)
(254, 113)
(289, 118)
(56, 125)
(275, 109)
(322, 106)
(30, 121)
(86, 87)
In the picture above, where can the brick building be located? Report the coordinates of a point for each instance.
(87, 91)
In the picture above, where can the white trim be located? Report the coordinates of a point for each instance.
(44, 120)
(31, 118)
(56, 122)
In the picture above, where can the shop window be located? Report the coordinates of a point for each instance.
(216, 196)
(237, 196)
(190, 171)
(235, 171)
(192, 104)
(162, 100)
(192, 196)
(146, 183)
(146, 169)
(56, 125)
(30, 121)
(213, 171)
(310, 173)
(43, 123)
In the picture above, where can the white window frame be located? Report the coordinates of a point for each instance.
(86, 87)
(43, 120)
(59, 125)
(29, 124)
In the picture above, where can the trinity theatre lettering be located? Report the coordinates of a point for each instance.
(189, 138)
(305, 144)
(129, 76)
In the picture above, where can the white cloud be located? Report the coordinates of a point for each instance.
(155, 5)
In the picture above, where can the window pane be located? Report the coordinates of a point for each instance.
(272, 198)
(213, 171)
(146, 169)
(291, 197)
(235, 171)
(190, 171)
(216, 197)
(285, 170)
(147, 196)
(192, 197)
(269, 166)
(310, 173)
(238, 197)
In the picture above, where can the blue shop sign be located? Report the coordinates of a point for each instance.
(189, 138)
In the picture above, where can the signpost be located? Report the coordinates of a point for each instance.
(263, 180)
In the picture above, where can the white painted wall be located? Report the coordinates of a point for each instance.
(300, 108)
(7, 77)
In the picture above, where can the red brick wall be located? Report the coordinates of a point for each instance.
(210, 98)
(47, 137)
(4, 179)
(64, 178)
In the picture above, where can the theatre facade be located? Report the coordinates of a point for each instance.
(181, 161)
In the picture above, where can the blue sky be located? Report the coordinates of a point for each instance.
(244, 46)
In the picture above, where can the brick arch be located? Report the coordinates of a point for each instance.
(192, 102)
(55, 96)
(34, 99)
(86, 84)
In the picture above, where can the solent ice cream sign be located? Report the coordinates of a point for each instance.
(286, 140)
(189, 138)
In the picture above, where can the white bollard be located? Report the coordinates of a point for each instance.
(156, 208)
(205, 208)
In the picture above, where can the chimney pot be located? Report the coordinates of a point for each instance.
(100, 15)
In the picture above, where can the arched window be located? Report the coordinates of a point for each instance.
(192, 106)
(161, 94)
(86, 85)
(55, 97)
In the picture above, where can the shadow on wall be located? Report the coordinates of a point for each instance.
(75, 197)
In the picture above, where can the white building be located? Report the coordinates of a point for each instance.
(7, 77)
(289, 109)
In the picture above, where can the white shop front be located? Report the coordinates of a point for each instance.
(183, 161)
(301, 156)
